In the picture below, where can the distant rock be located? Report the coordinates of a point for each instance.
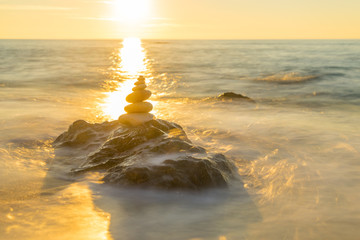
(157, 154)
(234, 96)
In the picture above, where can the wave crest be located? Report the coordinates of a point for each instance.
(292, 77)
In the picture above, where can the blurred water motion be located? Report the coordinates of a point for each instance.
(130, 63)
(39, 206)
(75, 218)
(297, 149)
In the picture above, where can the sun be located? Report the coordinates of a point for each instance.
(131, 11)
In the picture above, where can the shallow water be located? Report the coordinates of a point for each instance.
(296, 148)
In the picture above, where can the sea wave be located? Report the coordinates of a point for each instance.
(290, 77)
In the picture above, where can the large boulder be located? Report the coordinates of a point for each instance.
(157, 154)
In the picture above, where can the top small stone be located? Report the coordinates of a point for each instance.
(139, 83)
(140, 80)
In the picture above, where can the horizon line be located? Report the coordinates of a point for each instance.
(169, 39)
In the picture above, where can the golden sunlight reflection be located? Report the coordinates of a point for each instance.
(87, 220)
(66, 214)
(132, 64)
(132, 57)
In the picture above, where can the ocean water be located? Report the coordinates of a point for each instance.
(296, 149)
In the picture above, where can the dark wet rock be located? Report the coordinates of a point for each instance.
(234, 96)
(157, 154)
(82, 133)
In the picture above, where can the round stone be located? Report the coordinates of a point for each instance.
(140, 107)
(138, 96)
(134, 119)
(141, 78)
(139, 87)
(139, 82)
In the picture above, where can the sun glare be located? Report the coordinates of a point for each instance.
(131, 11)
(132, 57)
(132, 63)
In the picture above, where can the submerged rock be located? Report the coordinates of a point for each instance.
(157, 154)
(234, 96)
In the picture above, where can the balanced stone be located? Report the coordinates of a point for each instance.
(139, 82)
(139, 87)
(140, 107)
(138, 96)
(135, 119)
(138, 111)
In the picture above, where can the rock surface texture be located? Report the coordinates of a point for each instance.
(138, 110)
(156, 154)
(234, 96)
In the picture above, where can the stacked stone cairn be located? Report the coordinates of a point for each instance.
(137, 112)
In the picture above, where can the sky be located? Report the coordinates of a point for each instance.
(180, 19)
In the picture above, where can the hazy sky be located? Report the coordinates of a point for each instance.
(179, 19)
